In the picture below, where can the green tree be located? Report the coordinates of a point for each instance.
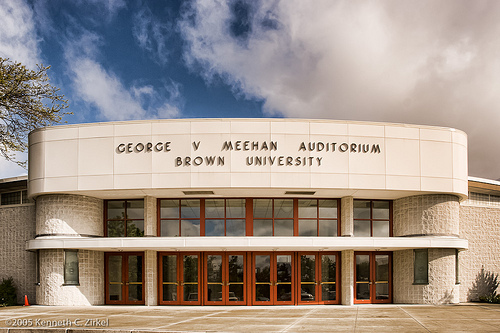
(27, 101)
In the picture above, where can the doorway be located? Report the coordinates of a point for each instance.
(373, 277)
(124, 278)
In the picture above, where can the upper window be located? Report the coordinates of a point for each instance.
(372, 218)
(318, 217)
(180, 217)
(225, 217)
(273, 217)
(14, 198)
(124, 218)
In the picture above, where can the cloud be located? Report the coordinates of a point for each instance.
(103, 89)
(424, 62)
(151, 34)
(18, 38)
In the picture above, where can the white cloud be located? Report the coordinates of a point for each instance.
(18, 39)
(423, 62)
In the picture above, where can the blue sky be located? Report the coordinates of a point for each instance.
(423, 62)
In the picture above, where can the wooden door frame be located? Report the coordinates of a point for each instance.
(372, 290)
(125, 281)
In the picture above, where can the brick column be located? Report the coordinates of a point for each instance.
(151, 278)
(346, 215)
(347, 274)
(150, 226)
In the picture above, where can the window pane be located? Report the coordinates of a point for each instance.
(116, 210)
(262, 208)
(421, 266)
(362, 229)
(190, 228)
(308, 227)
(190, 209)
(283, 208)
(116, 229)
(308, 209)
(169, 209)
(328, 209)
(235, 208)
(13, 198)
(380, 228)
(262, 227)
(71, 267)
(135, 228)
(235, 228)
(283, 228)
(381, 210)
(169, 228)
(328, 228)
(361, 209)
(214, 227)
(24, 197)
(135, 209)
(214, 208)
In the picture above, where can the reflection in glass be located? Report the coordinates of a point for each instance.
(235, 228)
(190, 209)
(262, 278)
(362, 276)
(361, 209)
(190, 228)
(214, 278)
(308, 227)
(328, 277)
(381, 210)
(382, 276)
(236, 278)
(262, 208)
(328, 209)
(214, 208)
(235, 208)
(170, 228)
(169, 209)
(135, 209)
(308, 208)
(135, 278)
(135, 228)
(190, 275)
(380, 228)
(327, 228)
(214, 227)
(283, 208)
(115, 229)
(284, 278)
(308, 277)
(71, 274)
(116, 210)
(262, 227)
(283, 228)
(362, 229)
(169, 266)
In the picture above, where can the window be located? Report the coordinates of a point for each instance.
(14, 198)
(124, 218)
(421, 266)
(372, 218)
(318, 217)
(225, 217)
(180, 218)
(71, 273)
(457, 266)
(273, 217)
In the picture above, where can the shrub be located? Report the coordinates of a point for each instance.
(8, 292)
(491, 298)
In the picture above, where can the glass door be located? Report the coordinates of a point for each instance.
(373, 272)
(318, 274)
(273, 278)
(225, 279)
(179, 278)
(124, 278)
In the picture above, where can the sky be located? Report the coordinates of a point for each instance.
(426, 62)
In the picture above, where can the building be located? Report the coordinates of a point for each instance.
(249, 212)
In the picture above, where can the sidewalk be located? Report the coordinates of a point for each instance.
(468, 317)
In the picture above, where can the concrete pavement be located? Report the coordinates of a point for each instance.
(469, 317)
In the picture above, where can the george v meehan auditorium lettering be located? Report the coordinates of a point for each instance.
(249, 212)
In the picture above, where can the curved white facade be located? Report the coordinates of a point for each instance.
(242, 157)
